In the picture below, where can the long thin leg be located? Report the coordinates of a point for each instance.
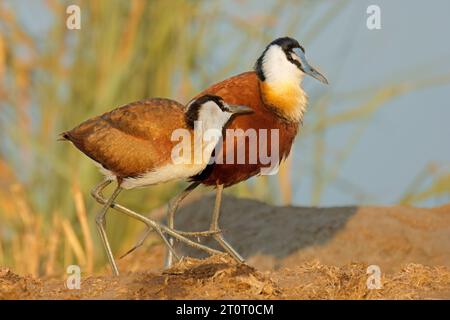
(215, 226)
(96, 193)
(197, 234)
(172, 208)
(101, 224)
(147, 232)
(158, 227)
(98, 196)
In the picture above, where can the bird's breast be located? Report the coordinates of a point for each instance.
(288, 99)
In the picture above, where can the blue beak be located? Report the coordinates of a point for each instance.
(307, 68)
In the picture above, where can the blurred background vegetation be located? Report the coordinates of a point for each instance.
(126, 51)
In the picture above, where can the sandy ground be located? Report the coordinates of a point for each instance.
(291, 253)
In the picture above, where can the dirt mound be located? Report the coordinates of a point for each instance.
(219, 277)
(271, 237)
(13, 286)
(292, 253)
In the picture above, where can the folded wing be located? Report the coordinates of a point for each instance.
(131, 139)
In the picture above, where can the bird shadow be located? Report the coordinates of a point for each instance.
(256, 228)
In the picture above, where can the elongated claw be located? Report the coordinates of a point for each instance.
(142, 239)
(139, 243)
(207, 233)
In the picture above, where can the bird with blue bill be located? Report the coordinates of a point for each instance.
(273, 90)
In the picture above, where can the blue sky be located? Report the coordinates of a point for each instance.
(409, 131)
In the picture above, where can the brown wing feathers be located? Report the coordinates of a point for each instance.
(131, 139)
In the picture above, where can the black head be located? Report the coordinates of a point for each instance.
(287, 44)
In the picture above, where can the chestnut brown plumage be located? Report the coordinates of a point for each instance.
(133, 145)
(275, 94)
(128, 141)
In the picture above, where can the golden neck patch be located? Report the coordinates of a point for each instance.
(287, 98)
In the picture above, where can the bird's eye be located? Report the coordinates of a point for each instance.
(224, 106)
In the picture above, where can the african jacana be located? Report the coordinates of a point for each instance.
(273, 90)
(133, 145)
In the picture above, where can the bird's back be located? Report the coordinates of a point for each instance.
(244, 89)
(131, 139)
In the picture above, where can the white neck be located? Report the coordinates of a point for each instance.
(278, 69)
(205, 140)
(208, 129)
